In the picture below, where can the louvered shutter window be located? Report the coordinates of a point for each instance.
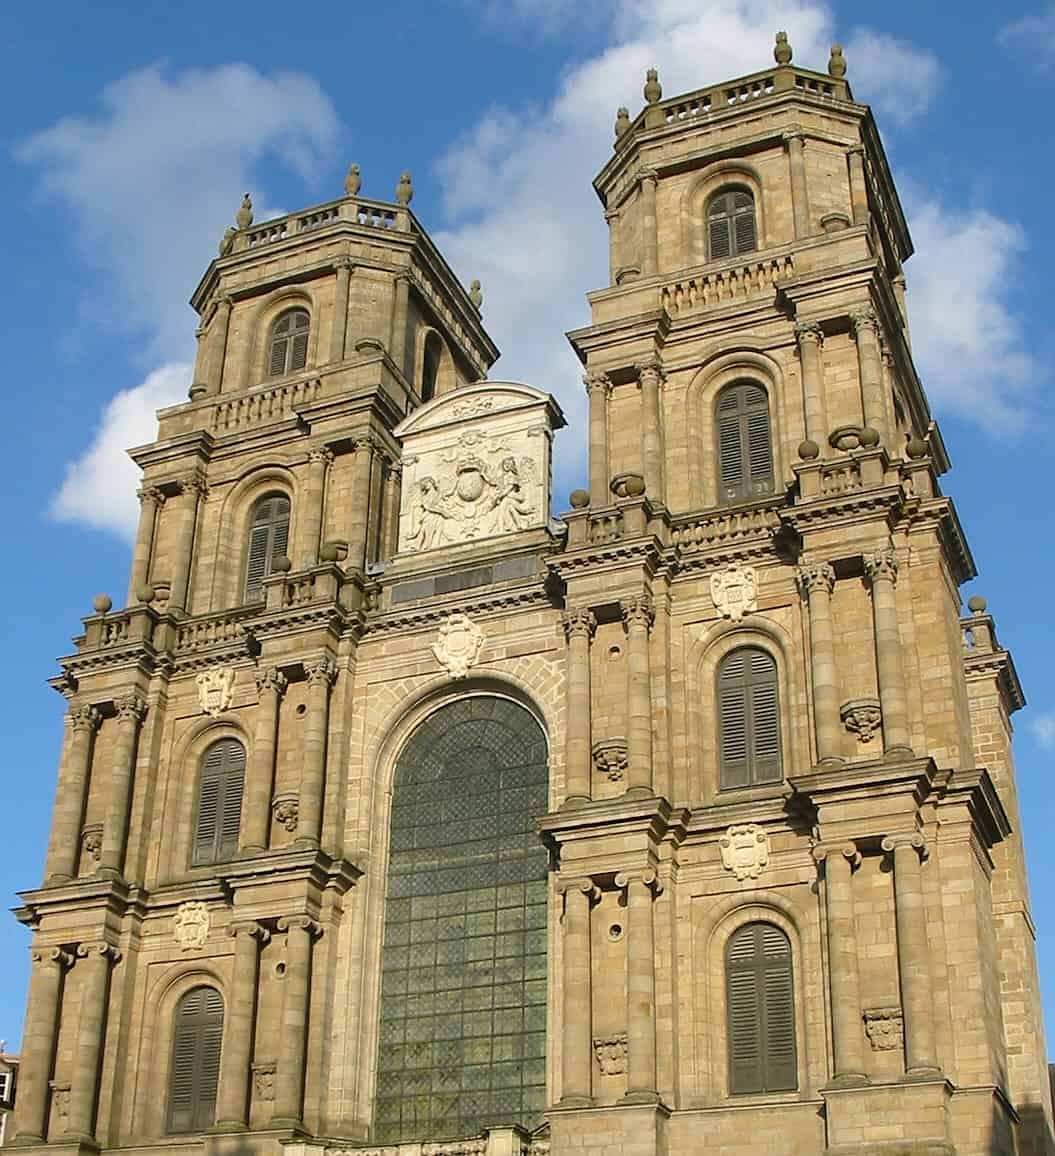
(748, 719)
(288, 350)
(731, 224)
(745, 450)
(268, 540)
(197, 1036)
(219, 802)
(760, 994)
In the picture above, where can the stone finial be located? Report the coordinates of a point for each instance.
(145, 593)
(579, 499)
(837, 62)
(622, 122)
(782, 49)
(476, 294)
(353, 181)
(976, 604)
(227, 240)
(405, 189)
(281, 565)
(653, 89)
(916, 448)
(808, 450)
(102, 603)
(244, 216)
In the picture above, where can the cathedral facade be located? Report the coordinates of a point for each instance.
(398, 816)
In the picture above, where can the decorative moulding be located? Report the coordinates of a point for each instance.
(286, 810)
(264, 1080)
(610, 758)
(190, 924)
(862, 717)
(734, 591)
(883, 1026)
(459, 644)
(215, 688)
(92, 840)
(745, 850)
(611, 1053)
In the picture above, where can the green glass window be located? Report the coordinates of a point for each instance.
(463, 985)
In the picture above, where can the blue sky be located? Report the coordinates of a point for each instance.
(133, 129)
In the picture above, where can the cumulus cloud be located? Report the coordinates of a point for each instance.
(1043, 728)
(898, 79)
(99, 488)
(149, 183)
(1035, 35)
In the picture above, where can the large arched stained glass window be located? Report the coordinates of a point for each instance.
(463, 985)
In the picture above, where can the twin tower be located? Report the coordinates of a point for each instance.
(396, 816)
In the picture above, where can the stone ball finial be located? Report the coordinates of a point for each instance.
(809, 450)
(353, 181)
(916, 448)
(405, 189)
(837, 62)
(868, 437)
(579, 499)
(622, 122)
(227, 240)
(653, 89)
(145, 593)
(244, 216)
(476, 295)
(635, 486)
(102, 603)
(976, 604)
(281, 565)
(782, 49)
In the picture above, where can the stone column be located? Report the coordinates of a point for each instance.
(218, 343)
(131, 710)
(870, 366)
(71, 795)
(598, 388)
(577, 1027)
(319, 460)
(95, 986)
(637, 621)
(390, 541)
(649, 228)
(289, 1074)
(913, 953)
(191, 490)
(800, 205)
(151, 499)
(373, 525)
(858, 185)
(321, 672)
(881, 569)
(38, 1044)
(650, 375)
(579, 626)
(641, 887)
(810, 338)
(817, 582)
(344, 267)
(357, 531)
(839, 860)
(232, 1105)
(398, 342)
(611, 216)
(271, 685)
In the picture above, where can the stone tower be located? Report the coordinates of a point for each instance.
(295, 894)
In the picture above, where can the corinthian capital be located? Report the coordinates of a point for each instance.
(321, 671)
(596, 380)
(637, 611)
(864, 319)
(881, 566)
(579, 622)
(84, 718)
(809, 333)
(150, 495)
(650, 370)
(816, 577)
(131, 708)
(271, 681)
(320, 455)
(647, 174)
(192, 486)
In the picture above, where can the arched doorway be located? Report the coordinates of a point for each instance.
(463, 985)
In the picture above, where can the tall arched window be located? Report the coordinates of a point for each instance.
(745, 450)
(268, 540)
(430, 365)
(760, 994)
(731, 224)
(196, 1038)
(220, 784)
(748, 719)
(463, 982)
(288, 347)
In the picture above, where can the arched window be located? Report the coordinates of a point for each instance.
(731, 224)
(196, 1038)
(430, 365)
(268, 540)
(288, 348)
(219, 802)
(463, 979)
(745, 451)
(760, 994)
(748, 719)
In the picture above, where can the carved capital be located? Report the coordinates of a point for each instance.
(912, 839)
(821, 852)
(151, 495)
(271, 681)
(637, 611)
(644, 875)
(344, 264)
(794, 138)
(881, 566)
(581, 883)
(321, 671)
(395, 472)
(597, 381)
(320, 456)
(191, 486)
(650, 371)
(864, 319)
(98, 949)
(250, 928)
(809, 333)
(367, 444)
(816, 577)
(131, 708)
(84, 718)
(300, 923)
(51, 957)
(647, 175)
(578, 623)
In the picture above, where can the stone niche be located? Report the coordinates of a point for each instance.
(476, 466)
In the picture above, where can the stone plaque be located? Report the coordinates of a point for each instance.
(215, 688)
(458, 645)
(745, 850)
(190, 924)
(734, 591)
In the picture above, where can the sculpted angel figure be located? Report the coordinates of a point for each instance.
(511, 506)
(436, 522)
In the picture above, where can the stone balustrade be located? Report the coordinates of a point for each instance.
(372, 214)
(273, 403)
(733, 281)
(214, 630)
(722, 527)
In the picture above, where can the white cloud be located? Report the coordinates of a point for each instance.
(898, 79)
(967, 342)
(149, 183)
(99, 489)
(1034, 36)
(1043, 728)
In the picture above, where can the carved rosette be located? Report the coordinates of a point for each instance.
(190, 924)
(611, 1053)
(884, 1028)
(459, 644)
(215, 688)
(610, 758)
(862, 717)
(286, 810)
(734, 591)
(745, 850)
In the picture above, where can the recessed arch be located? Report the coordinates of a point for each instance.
(434, 370)
(261, 321)
(699, 194)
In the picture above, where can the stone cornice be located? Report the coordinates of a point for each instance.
(999, 666)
